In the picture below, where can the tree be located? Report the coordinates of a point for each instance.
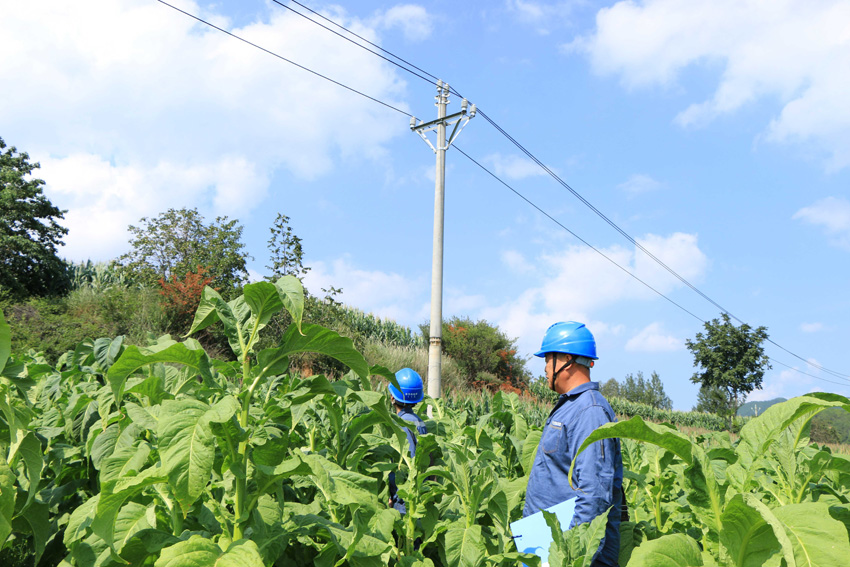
(610, 389)
(484, 354)
(178, 242)
(730, 358)
(29, 232)
(712, 399)
(287, 254)
(649, 392)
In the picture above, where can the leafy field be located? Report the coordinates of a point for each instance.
(164, 456)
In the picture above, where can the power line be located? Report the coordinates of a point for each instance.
(545, 168)
(361, 46)
(282, 58)
(586, 243)
(583, 241)
(527, 153)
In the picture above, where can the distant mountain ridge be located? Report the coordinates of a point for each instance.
(752, 409)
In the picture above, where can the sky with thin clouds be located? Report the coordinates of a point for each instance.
(716, 133)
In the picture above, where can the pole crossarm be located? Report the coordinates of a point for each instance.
(458, 119)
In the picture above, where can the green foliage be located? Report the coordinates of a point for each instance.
(29, 232)
(53, 325)
(649, 392)
(164, 456)
(287, 253)
(610, 388)
(481, 350)
(831, 426)
(713, 400)
(760, 501)
(394, 357)
(626, 408)
(371, 327)
(179, 241)
(100, 276)
(731, 358)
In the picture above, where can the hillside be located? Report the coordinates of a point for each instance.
(752, 409)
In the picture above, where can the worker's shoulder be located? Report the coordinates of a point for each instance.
(591, 401)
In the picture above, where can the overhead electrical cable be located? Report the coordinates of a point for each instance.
(360, 45)
(611, 260)
(582, 240)
(409, 66)
(282, 58)
(533, 158)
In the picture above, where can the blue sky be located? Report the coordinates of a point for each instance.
(716, 133)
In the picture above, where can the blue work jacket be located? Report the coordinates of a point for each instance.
(419, 425)
(598, 474)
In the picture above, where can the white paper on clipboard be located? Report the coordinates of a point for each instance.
(533, 535)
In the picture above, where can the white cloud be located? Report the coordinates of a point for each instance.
(811, 327)
(514, 166)
(639, 184)
(516, 262)
(577, 282)
(796, 52)
(414, 21)
(130, 105)
(653, 339)
(831, 213)
(384, 294)
(541, 15)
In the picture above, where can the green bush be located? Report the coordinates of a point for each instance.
(55, 325)
(397, 357)
(479, 347)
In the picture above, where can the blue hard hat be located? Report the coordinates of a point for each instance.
(568, 337)
(412, 390)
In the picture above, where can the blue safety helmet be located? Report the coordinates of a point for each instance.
(412, 390)
(569, 338)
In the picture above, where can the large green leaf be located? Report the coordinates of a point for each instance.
(234, 316)
(145, 546)
(124, 462)
(8, 493)
(36, 520)
(132, 518)
(312, 338)
(263, 300)
(465, 546)
(749, 540)
(759, 433)
(29, 450)
(676, 550)
(639, 430)
(5, 341)
(80, 520)
(202, 552)
(817, 538)
(206, 313)
(187, 444)
(107, 351)
(114, 494)
(134, 359)
(529, 449)
(291, 293)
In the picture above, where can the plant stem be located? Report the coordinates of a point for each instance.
(176, 518)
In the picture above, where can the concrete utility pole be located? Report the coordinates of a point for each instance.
(459, 120)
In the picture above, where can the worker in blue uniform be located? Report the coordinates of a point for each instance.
(410, 392)
(570, 351)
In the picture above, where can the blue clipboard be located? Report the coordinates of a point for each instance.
(533, 535)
